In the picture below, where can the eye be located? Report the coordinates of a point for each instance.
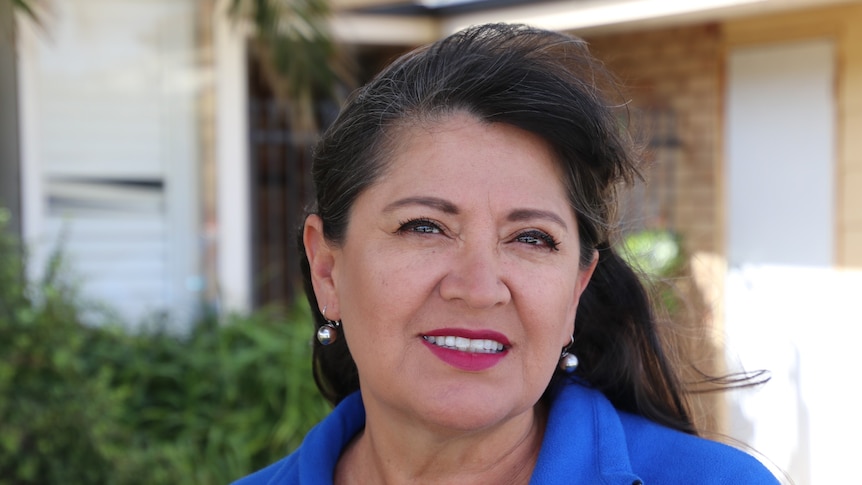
(422, 226)
(538, 238)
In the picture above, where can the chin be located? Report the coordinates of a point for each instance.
(471, 411)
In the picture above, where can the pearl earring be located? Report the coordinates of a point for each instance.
(568, 362)
(328, 333)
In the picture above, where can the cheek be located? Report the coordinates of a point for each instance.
(558, 308)
(379, 287)
(550, 314)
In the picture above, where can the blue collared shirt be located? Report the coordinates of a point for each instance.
(587, 441)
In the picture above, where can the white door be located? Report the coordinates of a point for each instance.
(110, 150)
(787, 309)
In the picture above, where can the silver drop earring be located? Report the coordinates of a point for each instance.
(328, 333)
(568, 362)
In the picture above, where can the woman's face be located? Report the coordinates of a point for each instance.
(458, 279)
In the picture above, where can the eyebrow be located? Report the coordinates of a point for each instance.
(443, 205)
(520, 215)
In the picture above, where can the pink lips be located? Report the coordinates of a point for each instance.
(468, 361)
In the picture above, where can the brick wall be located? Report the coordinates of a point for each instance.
(679, 70)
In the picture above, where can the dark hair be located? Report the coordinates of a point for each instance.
(546, 83)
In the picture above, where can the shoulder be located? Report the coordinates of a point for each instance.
(274, 473)
(315, 459)
(663, 455)
(628, 448)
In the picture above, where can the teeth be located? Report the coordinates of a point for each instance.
(483, 346)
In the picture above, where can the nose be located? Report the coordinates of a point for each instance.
(476, 278)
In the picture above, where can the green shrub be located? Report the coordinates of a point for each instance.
(84, 401)
(655, 252)
(657, 255)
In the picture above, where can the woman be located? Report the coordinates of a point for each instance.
(475, 324)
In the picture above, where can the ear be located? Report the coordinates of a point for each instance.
(585, 274)
(321, 261)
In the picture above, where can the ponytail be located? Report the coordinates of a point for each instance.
(617, 343)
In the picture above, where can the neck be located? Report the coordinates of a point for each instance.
(391, 451)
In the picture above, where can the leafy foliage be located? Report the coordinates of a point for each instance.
(84, 403)
(34, 10)
(24, 6)
(300, 60)
(657, 255)
(655, 252)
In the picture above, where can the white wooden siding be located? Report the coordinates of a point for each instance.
(112, 148)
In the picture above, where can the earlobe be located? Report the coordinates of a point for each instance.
(321, 262)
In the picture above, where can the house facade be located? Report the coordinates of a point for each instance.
(119, 146)
(145, 143)
(767, 204)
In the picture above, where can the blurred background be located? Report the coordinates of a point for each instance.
(154, 168)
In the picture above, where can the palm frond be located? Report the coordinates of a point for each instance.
(293, 42)
(29, 8)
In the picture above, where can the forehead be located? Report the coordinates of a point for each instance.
(416, 141)
(462, 153)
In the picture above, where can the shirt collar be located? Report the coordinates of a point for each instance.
(584, 441)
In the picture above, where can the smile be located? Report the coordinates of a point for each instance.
(478, 346)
